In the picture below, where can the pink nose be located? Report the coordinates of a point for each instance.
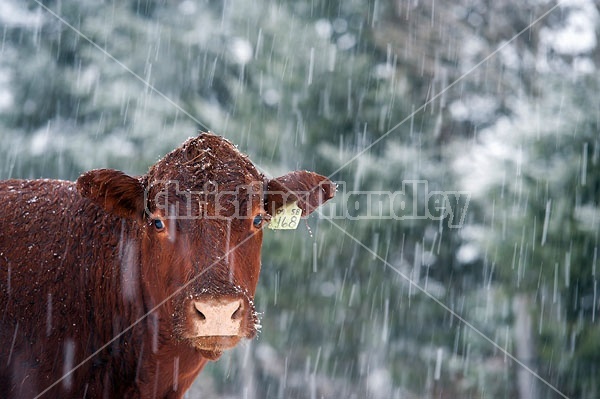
(218, 317)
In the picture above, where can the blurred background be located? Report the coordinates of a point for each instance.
(496, 99)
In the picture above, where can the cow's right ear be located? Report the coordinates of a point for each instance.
(309, 189)
(114, 191)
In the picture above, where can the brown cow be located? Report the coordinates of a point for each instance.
(118, 286)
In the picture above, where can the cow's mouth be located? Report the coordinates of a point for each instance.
(212, 324)
(212, 347)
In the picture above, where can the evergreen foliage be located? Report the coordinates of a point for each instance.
(354, 307)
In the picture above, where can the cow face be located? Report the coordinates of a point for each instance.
(199, 213)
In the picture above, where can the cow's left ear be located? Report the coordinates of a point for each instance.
(309, 189)
(114, 191)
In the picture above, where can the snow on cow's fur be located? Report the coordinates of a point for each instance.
(121, 286)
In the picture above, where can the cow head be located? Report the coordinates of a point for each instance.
(199, 213)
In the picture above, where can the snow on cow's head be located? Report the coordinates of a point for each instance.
(199, 213)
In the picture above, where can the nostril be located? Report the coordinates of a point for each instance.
(198, 311)
(238, 312)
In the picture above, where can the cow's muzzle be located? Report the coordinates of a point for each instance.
(215, 324)
(215, 317)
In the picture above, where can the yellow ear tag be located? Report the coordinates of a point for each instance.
(286, 217)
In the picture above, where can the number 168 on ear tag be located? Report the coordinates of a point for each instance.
(286, 217)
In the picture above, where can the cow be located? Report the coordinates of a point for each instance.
(116, 286)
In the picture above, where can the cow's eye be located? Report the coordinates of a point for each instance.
(158, 224)
(258, 219)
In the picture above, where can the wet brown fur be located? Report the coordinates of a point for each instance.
(81, 263)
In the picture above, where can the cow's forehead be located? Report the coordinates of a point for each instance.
(206, 160)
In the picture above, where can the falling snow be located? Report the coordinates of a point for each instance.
(412, 100)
